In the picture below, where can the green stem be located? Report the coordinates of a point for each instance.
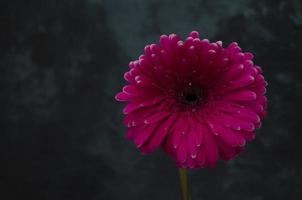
(184, 184)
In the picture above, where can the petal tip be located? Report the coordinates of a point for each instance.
(194, 34)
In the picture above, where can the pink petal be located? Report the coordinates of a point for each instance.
(180, 128)
(247, 115)
(164, 42)
(159, 135)
(226, 134)
(168, 145)
(248, 135)
(167, 58)
(240, 82)
(233, 72)
(235, 123)
(130, 107)
(135, 105)
(131, 89)
(244, 95)
(182, 151)
(194, 34)
(233, 47)
(132, 132)
(226, 151)
(174, 39)
(192, 140)
(240, 112)
(198, 133)
(151, 102)
(144, 134)
(123, 97)
(248, 56)
(211, 150)
(156, 117)
(201, 157)
(137, 117)
(190, 163)
(128, 77)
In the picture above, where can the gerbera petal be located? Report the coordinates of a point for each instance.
(182, 151)
(132, 132)
(226, 151)
(156, 117)
(131, 89)
(192, 140)
(190, 163)
(164, 41)
(135, 105)
(235, 123)
(144, 134)
(233, 72)
(201, 157)
(121, 96)
(240, 82)
(159, 136)
(240, 112)
(229, 137)
(248, 135)
(199, 134)
(128, 77)
(247, 114)
(180, 128)
(130, 107)
(211, 149)
(244, 95)
(151, 102)
(226, 134)
(135, 118)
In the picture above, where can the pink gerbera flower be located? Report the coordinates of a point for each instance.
(197, 100)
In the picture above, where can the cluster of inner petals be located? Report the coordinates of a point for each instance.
(197, 100)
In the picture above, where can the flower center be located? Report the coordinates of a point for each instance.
(192, 96)
(187, 98)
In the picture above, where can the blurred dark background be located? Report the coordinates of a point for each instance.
(61, 63)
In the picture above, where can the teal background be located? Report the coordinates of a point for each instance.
(61, 133)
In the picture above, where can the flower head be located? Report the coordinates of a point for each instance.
(197, 100)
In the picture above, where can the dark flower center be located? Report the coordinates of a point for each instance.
(192, 96)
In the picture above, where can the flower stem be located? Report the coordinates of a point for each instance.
(184, 184)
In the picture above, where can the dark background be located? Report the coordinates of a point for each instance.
(61, 63)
